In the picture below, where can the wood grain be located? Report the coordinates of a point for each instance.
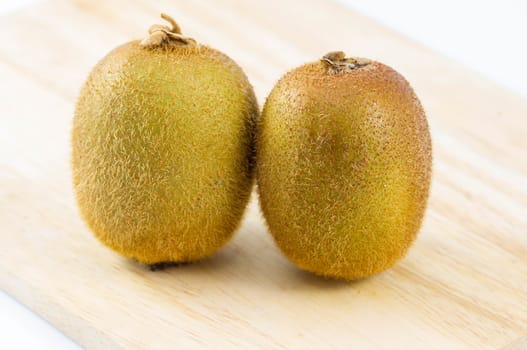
(462, 286)
(520, 344)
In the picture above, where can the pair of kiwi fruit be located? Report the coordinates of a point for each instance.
(167, 139)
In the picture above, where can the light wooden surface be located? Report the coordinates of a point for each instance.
(462, 286)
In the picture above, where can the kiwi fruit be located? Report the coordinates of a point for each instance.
(163, 148)
(343, 166)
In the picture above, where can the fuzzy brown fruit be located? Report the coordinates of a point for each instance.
(163, 148)
(343, 166)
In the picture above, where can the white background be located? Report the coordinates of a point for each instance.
(487, 36)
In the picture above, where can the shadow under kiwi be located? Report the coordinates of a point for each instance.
(309, 280)
(224, 258)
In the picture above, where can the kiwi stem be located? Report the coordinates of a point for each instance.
(338, 61)
(163, 36)
(175, 27)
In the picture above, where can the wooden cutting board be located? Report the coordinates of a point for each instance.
(462, 286)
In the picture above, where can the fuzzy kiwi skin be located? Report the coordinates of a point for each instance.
(343, 168)
(163, 151)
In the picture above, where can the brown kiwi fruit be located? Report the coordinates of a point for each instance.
(162, 148)
(343, 166)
